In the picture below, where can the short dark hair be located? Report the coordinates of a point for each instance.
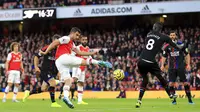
(157, 26)
(75, 29)
(83, 36)
(13, 44)
(172, 31)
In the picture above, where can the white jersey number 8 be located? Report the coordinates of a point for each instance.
(150, 43)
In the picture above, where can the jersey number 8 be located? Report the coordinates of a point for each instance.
(150, 43)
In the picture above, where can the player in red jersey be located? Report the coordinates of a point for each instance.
(65, 61)
(13, 67)
(78, 73)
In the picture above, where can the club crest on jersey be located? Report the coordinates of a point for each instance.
(175, 53)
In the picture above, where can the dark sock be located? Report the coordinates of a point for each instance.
(52, 93)
(142, 91)
(172, 90)
(72, 93)
(167, 89)
(61, 90)
(188, 93)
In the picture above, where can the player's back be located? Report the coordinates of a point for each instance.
(153, 44)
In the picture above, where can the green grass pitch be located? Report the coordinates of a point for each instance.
(103, 105)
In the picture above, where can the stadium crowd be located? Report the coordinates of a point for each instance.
(18, 4)
(121, 47)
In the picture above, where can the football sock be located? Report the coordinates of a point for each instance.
(66, 91)
(15, 91)
(188, 93)
(6, 91)
(52, 93)
(142, 91)
(80, 93)
(92, 61)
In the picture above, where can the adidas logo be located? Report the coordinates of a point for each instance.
(78, 12)
(146, 9)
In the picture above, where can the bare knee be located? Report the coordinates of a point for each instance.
(10, 84)
(52, 83)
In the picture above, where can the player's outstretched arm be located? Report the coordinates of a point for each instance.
(162, 63)
(36, 62)
(168, 40)
(84, 53)
(22, 66)
(53, 45)
(187, 59)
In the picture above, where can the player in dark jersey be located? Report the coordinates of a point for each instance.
(178, 60)
(147, 62)
(48, 74)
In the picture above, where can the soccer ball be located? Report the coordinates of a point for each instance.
(118, 74)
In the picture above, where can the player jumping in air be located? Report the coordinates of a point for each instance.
(13, 67)
(177, 66)
(47, 73)
(147, 62)
(64, 59)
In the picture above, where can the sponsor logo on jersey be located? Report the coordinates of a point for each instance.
(175, 53)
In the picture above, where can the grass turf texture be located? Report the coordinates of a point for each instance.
(103, 105)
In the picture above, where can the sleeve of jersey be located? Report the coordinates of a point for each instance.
(165, 47)
(9, 57)
(186, 51)
(43, 49)
(170, 42)
(64, 40)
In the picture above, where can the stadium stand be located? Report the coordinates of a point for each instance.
(100, 79)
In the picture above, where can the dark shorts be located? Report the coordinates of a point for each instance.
(47, 75)
(145, 67)
(174, 73)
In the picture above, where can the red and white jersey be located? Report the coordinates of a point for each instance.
(65, 47)
(84, 49)
(15, 60)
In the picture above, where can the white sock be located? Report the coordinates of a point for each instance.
(15, 93)
(6, 91)
(92, 61)
(66, 91)
(80, 93)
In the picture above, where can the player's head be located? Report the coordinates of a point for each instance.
(157, 27)
(75, 33)
(84, 40)
(14, 46)
(173, 35)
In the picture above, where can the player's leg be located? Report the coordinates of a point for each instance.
(16, 85)
(10, 81)
(172, 79)
(76, 61)
(28, 93)
(143, 69)
(155, 70)
(182, 75)
(51, 89)
(7, 91)
(80, 86)
(61, 91)
(73, 89)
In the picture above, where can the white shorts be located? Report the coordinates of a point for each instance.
(14, 76)
(65, 62)
(80, 75)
